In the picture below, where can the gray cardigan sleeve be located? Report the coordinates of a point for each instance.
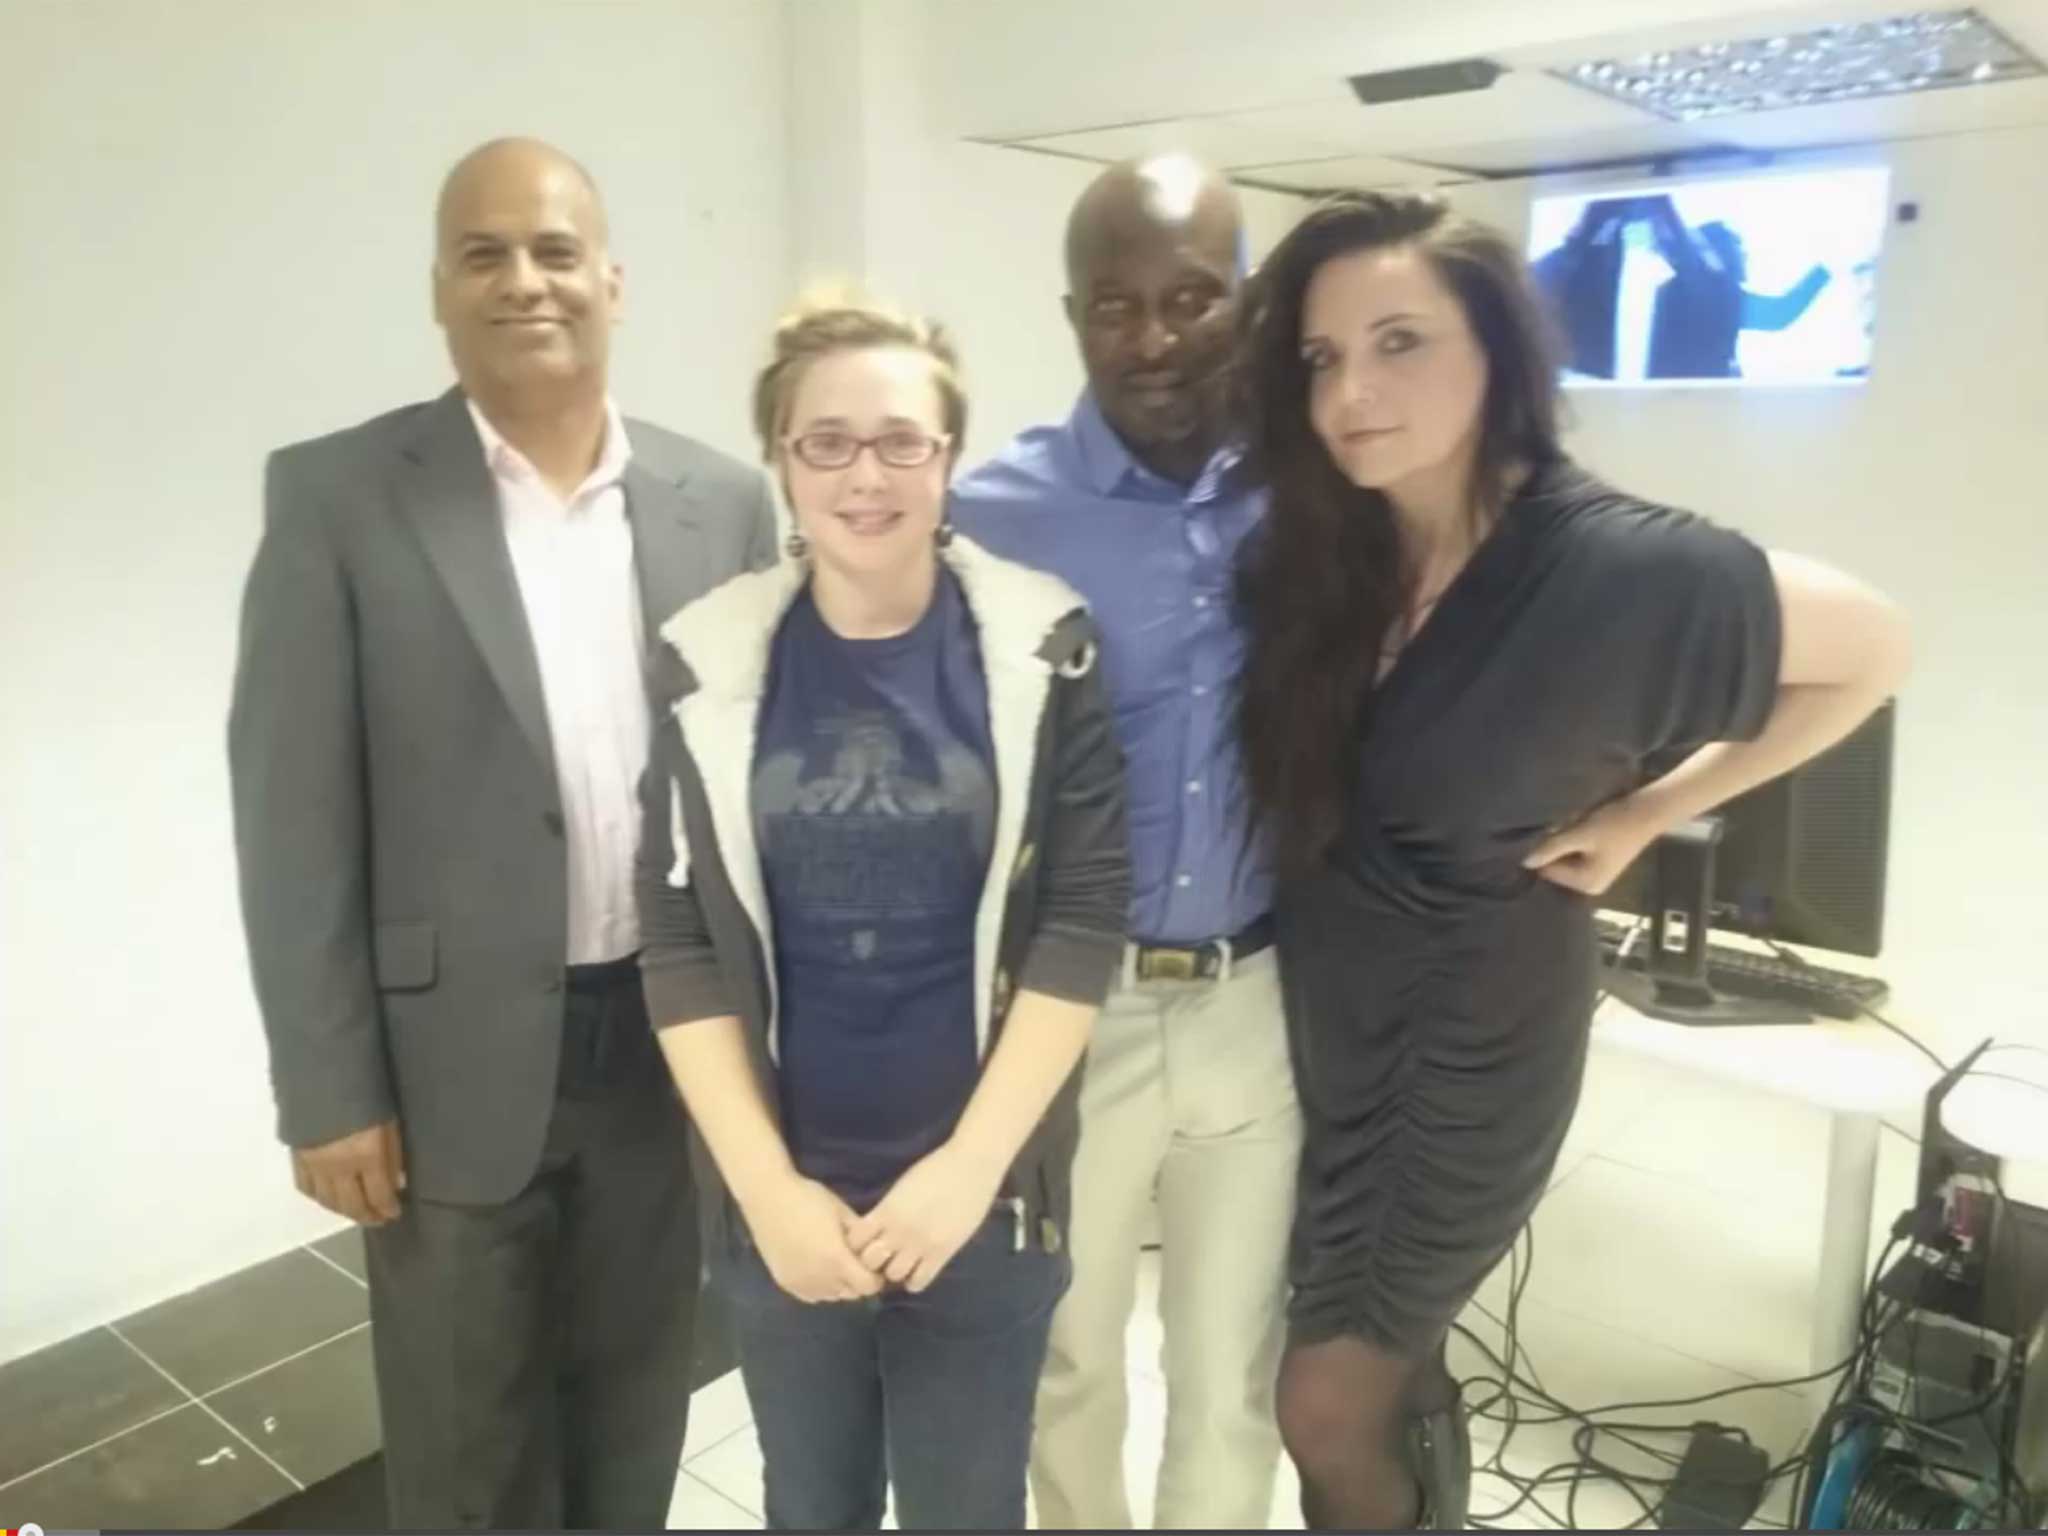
(1085, 893)
(679, 969)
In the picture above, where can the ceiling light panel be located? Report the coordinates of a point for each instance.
(1918, 51)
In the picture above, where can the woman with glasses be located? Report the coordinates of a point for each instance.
(884, 888)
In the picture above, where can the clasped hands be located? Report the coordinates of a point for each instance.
(819, 1249)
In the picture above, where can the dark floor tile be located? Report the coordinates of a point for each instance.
(346, 1249)
(351, 1500)
(314, 1415)
(183, 1472)
(252, 1319)
(72, 1394)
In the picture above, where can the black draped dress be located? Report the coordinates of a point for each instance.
(1439, 995)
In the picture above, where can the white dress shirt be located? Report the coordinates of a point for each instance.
(574, 564)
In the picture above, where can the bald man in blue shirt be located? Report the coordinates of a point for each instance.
(1187, 1095)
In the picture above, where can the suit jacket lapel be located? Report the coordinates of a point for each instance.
(454, 505)
(661, 511)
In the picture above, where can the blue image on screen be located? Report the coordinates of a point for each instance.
(1762, 279)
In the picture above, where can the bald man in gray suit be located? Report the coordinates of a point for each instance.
(440, 718)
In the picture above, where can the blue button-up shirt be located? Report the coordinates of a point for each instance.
(1155, 562)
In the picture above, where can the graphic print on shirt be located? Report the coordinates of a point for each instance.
(874, 836)
(874, 799)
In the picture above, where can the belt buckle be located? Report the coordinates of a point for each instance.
(1184, 963)
(1170, 964)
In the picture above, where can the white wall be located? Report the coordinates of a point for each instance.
(971, 234)
(1927, 482)
(218, 223)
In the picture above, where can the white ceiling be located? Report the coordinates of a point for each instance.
(1262, 91)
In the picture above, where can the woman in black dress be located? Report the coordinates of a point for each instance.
(1463, 650)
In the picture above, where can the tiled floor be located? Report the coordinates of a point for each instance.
(1675, 1257)
(243, 1401)
(200, 1411)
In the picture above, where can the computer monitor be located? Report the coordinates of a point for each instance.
(1801, 859)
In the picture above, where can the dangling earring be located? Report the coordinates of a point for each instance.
(943, 534)
(796, 546)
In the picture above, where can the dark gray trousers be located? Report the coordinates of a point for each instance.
(533, 1358)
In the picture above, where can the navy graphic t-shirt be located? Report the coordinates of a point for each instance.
(874, 801)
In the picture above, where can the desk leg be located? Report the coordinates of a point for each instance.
(1844, 1241)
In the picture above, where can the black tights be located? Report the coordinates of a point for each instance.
(1346, 1409)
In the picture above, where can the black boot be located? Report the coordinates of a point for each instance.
(1440, 1455)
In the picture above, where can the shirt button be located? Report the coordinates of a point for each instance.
(1194, 786)
(1201, 601)
(1183, 881)
(1200, 690)
(554, 822)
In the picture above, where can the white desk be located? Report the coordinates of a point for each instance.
(1857, 1072)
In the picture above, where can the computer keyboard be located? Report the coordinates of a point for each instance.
(1743, 973)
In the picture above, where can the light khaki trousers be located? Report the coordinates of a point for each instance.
(1188, 1094)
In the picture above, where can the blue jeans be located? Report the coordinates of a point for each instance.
(930, 1392)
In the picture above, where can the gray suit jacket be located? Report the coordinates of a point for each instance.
(397, 825)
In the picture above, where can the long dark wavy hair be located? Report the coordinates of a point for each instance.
(1324, 579)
